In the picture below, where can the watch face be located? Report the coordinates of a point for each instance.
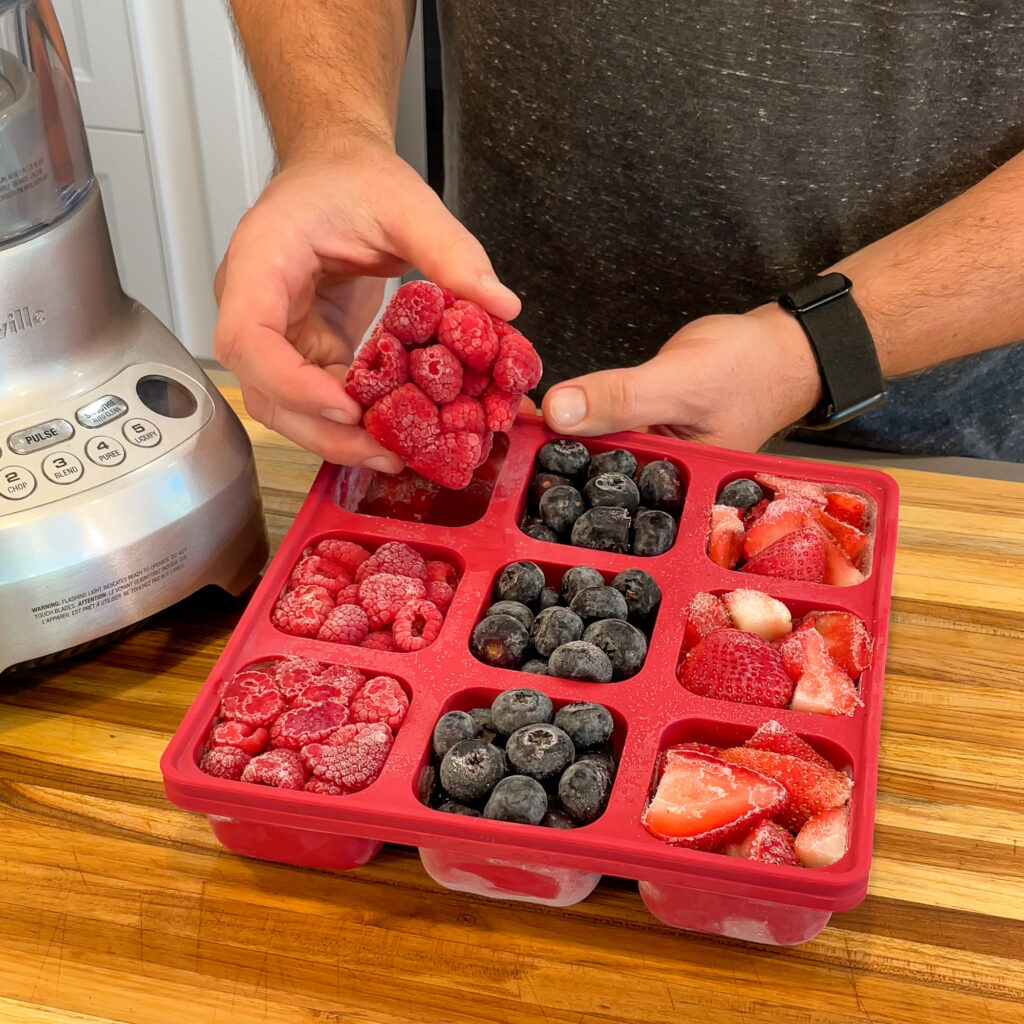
(816, 291)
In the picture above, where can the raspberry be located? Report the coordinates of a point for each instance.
(443, 571)
(417, 625)
(345, 553)
(347, 624)
(320, 692)
(224, 762)
(282, 769)
(295, 674)
(302, 611)
(316, 785)
(350, 595)
(355, 763)
(252, 698)
(347, 680)
(467, 330)
(240, 735)
(318, 571)
(463, 413)
(475, 384)
(405, 421)
(414, 312)
(518, 367)
(500, 408)
(450, 298)
(394, 557)
(379, 640)
(452, 459)
(382, 594)
(437, 371)
(382, 699)
(380, 366)
(441, 595)
(501, 327)
(299, 726)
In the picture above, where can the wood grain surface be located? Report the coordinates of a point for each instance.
(117, 906)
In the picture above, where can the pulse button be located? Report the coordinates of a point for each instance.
(42, 435)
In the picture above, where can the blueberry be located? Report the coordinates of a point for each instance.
(543, 482)
(660, 486)
(516, 609)
(554, 627)
(654, 533)
(484, 723)
(618, 460)
(557, 819)
(501, 641)
(541, 751)
(538, 531)
(578, 577)
(642, 594)
(580, 660)
(567, 458)
(583, 790)
(536, 667)
(602, 529)
(588, 725)
(604, 758)
(513, 709)
(741, 493)
(470, 769)
(549, 597)
(450, 729)
(517, 798)
(624, 644)
(560, 507)
(593, 603)
(613, 490)
(520, 581)
(454, 807)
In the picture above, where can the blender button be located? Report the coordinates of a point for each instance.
(141, 432)
(103, 410)
(105, 451)
(62, 467)
(42, 435)
(16, 483)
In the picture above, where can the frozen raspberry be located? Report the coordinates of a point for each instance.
(450, 298)
(379, 640)
(467, 330)
(295, 674)
(320, 693)
(380, 366)
(349, 595)
(252, 698)
(382, 699)
(354, 764)
(500, 408)
(441, 595)
(317, 571)
(346, 679)
(518, 367)
(501, 327)
(224, 762)
(394, 557)
(299, 726)
(282, 769)
(316, 785)
(443, 571)
(405, 421)
(345, 553)
(240, 735)
(463, 413)
(452, 459)
(437, 372)
(417, 625)
(382, 594)
(475, 384)
(347, 624)
(301, 612)
(414, 312)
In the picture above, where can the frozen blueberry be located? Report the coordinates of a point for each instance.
(549, 597)
(618, 460)
(593, 603)
(660, 486)
(536, 667)
(541, 751)
(500, 640)
(554, 627)
(588, 725)
(520, 581)
(560, 507)
(578, 577)
(654, 533)
(484, 723)
(454, 807)
(450, 729)
(513, 709)
(516, 609)
(470, 769)
(583, 791)
(624, 644)
(566, 458)
(741, 493)
(642, 594)
(603, 529)
(538, 531)
(557, 819)
(517, 798)
(580, 660)
(604, 758)
(543, 482)
(613, 490)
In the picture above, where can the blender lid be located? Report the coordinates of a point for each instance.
(45, 169)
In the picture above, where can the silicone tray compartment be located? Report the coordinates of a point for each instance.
(700, 891)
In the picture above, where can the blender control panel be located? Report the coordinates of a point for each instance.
(131, 420)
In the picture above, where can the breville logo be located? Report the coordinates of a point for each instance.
(21, 319)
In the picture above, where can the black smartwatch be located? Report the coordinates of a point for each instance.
(843, 348)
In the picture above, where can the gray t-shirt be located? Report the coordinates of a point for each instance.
(632, 165)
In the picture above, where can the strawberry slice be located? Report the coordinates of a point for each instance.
(800, 555)
(769, 843)
(778, 519)
(701, 748)
(776, 737)
(755, 612)
(846, 639)
(704, 614)
(850, 540)
(810, 788)
(725, 541)
(822, 687)
(850, 508)
(787, 487)
(729, 664)
(839, 570)
(702, 803)
(824, 838)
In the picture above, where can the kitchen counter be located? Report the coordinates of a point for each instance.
(117, 906)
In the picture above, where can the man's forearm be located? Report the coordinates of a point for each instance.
(326, 68)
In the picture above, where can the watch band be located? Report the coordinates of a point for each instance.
(843, 348)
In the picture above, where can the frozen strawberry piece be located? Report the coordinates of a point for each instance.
(316, 785)
(839, 570)
(252, 698)
(849, 539)
(768, 843)
(475, 384)
(354, 763)
(318, 571)
(500, 408)
(437, 372)
(404, 421)
(302, 611)
(725, 539)
(347, 624)
(774, 736)
(382, 699)
(704, 614)
(451, 459)
(280, 768)
(755, 512)
(295, 674)
(787, 487)
(800, 555)
(224, 762)
(380, 366)
(756, 612)
(467, 330)
(778, 519)
(702, 803)
(347, 680)
(729, 664)
(825, 838)
(848, 508)
(463, 413)
(382, 594)
(379, 640)
(701, 748)
(414, 312)
(517, 368)
(440, 595)
(301, 725)
(238, 734)
(394, 557)
(345, 553)
(417, 625)
(822, 687)
(846, 639)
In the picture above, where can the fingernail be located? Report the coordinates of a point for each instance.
(489, 281)
(380, 464)
(568, 406)
(339, 416)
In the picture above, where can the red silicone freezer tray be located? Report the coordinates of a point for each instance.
(690, 889)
